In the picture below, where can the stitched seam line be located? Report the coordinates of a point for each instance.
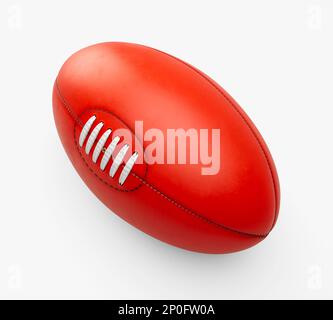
(66, 105)
(179, 206)
(147, 184)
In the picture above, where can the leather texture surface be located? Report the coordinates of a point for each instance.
(122, 83)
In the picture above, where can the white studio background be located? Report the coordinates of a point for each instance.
(58, 241)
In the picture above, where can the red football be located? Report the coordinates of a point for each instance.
(166, 148)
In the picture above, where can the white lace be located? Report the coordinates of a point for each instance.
(108, 151)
